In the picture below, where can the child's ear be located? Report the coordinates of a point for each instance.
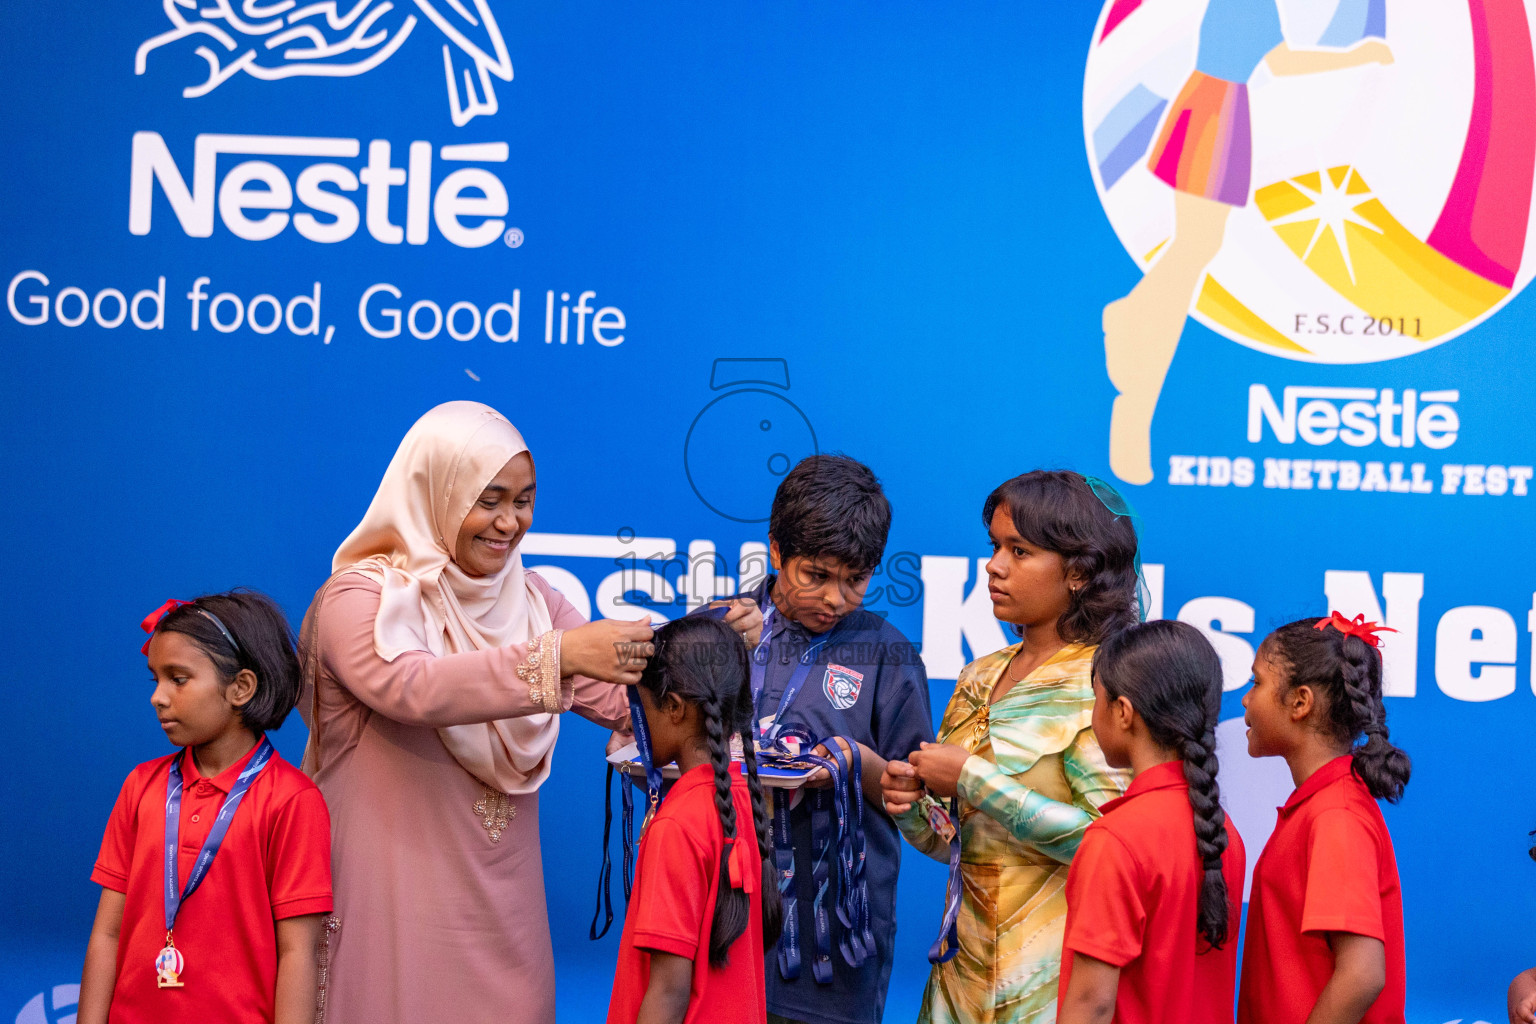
(1302, 701)
(241, 689)
(674, 707)
(1122, 714)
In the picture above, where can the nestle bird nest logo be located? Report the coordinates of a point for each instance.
(273, 39)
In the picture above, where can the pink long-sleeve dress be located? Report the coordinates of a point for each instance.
(433, 921)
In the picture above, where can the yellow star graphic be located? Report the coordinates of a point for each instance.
(1331, 206)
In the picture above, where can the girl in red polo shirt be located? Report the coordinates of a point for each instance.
(705, 900)
(1325, 916)
(1154, 895)
(225, 927)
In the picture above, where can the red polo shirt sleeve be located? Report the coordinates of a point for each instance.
(1343, 877)
(111, 870)
(1108, 919)
(299, 856)
(673, 893)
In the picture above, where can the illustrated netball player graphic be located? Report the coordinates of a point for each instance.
(1204, 151)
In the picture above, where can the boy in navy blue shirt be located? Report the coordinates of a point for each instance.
(826, 535)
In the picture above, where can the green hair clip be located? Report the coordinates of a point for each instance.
(1116, 503)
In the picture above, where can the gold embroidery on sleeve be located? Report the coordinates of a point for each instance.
(323, 963)
(541, 671)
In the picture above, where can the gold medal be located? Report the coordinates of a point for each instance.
(940, 821)
(169, 963)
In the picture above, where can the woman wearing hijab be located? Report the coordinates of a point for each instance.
(436, 670)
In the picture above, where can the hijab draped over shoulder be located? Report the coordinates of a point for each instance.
(405, 544)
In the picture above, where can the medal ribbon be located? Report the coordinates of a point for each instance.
(947, 944)
(837, 844)
(853, 905)
(851, 944)
(627, 836)
(654, 784)
(860, 882)
(605, 871)
(174, 894)
(784, 863)
(757, 664)
(643, 746)
(821, 877)
(759, 670)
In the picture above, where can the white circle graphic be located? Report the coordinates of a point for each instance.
(1372, 159)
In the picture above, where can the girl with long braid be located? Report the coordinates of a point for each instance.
(1325, 918)
(1152, 918)
(705, 901)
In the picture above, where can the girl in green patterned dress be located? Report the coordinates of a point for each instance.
(1017, 748)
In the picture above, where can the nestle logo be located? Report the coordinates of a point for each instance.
(254, 197)
(1355, 416)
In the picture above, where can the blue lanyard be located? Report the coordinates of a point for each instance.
(174, 894)
(858, 942)
(605, 871)
(784, 862)
(645, 752)
(821, 878)
(760, 654)
(759, 669)
(604, 908)
(643, 748)
(837, 849)
(642, 730)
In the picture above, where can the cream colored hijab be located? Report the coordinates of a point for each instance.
(405, 543)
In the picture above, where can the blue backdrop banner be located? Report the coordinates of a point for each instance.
(1261, 264)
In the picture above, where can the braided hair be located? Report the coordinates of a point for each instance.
(704, 662)
(1172, 677)
(1058, 511)
(1345, 672)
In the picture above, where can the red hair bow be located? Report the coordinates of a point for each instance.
(1355, 627)
(153, 619)
(741, 876)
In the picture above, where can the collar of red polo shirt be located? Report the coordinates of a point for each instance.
(193, 775)
(1168, 775)
(1319, 780)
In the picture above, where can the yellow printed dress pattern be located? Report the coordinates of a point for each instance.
(1033, 784)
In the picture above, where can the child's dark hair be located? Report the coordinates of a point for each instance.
(1345, 672)
(1058, 511)
(704, 662)
(262, 642)
(833, 506)
(1172, 677)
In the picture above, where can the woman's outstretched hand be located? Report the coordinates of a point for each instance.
(938, 765)
(899, 787)
(612, 650)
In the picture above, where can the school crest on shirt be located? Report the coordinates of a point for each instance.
(842, 686)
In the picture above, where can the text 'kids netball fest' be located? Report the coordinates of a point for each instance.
(827, 513)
